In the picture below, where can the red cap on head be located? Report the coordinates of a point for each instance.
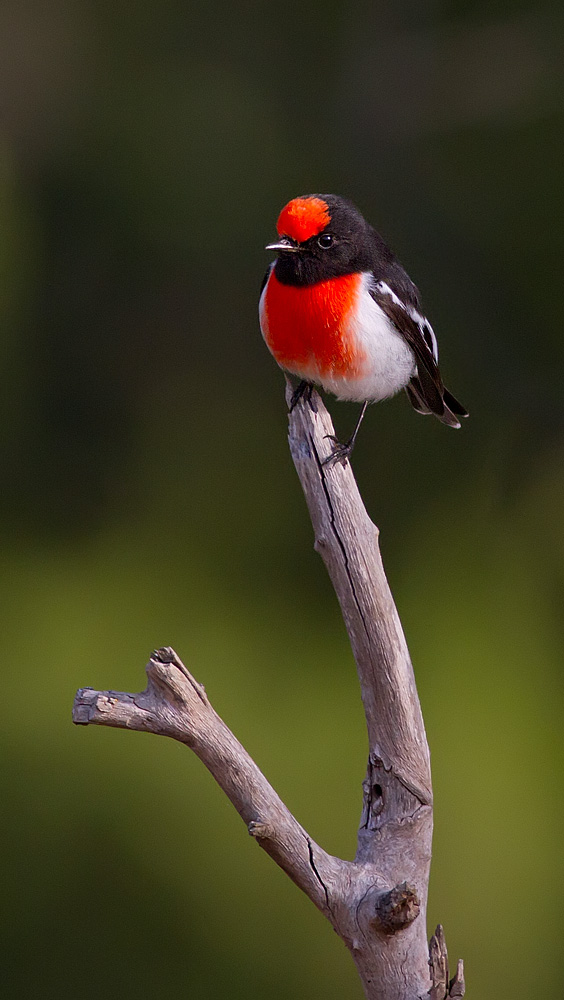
(302, 218)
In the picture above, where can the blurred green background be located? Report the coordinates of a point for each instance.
(149, 497)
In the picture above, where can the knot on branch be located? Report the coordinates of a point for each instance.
(443, 988)
(396, 908)
(260, 831)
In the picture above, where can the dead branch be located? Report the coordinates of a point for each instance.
(377, 902)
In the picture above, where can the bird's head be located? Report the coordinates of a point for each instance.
(320, 236)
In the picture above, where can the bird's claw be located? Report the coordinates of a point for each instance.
(340, 453)
(304, 390)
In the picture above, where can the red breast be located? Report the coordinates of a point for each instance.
(308, 327)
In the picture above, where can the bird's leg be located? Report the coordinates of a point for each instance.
(352, 439)
(341, 452)
(304, 389)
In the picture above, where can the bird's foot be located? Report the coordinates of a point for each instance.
(304, 390)
(341, 452)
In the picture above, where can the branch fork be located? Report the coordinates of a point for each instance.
(377, 902)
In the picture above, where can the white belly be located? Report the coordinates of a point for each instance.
(390, 362)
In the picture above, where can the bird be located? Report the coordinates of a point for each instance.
(338, 310)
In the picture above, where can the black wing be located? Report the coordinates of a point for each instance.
(425, 391)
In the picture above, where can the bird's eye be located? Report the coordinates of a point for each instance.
(325, 241)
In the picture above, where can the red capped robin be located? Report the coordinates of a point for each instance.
(338, 310)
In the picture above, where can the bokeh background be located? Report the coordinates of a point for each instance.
(149, 498)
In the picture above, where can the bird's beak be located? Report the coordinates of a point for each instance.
(283, 245)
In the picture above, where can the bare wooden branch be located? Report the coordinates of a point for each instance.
(396, 825)
(347, 540)
(377, 902)
(175, 705)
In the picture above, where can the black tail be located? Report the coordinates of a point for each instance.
(453, 404)
(449, 410)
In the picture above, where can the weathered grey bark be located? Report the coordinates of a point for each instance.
(377, 902)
